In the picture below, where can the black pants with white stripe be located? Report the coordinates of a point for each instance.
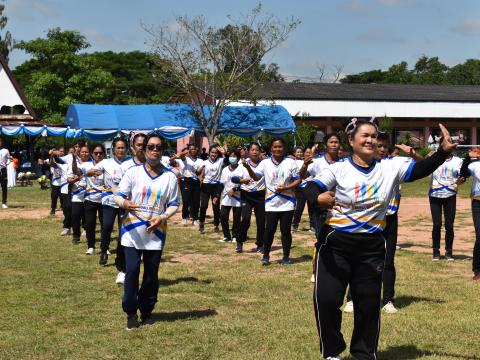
(356, 260)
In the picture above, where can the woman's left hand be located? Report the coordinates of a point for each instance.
(156, 222)
(447, 144)
(280, 188)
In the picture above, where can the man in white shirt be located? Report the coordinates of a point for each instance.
(4, 155)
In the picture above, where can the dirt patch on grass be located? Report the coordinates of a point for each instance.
(12, 214)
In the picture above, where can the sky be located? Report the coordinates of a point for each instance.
(356, 35)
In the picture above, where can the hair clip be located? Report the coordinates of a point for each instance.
(351, 125)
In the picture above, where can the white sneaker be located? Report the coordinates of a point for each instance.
(195, 223)
(120, 280)
(348, 308)
(84, 233)
(334, 358)
(389, 308)
(234, 240)
(108, 252)
(4, 206)
(90, 251)
(184, 222)
(312, 278)
(65, 232)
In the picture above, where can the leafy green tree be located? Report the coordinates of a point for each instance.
(429, 71)
(57, 76)
(6, 40)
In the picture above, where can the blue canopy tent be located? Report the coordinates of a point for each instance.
(173, 121)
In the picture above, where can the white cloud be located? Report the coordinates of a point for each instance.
(468, 27)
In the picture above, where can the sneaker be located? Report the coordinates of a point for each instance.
(348, 307)
(294, 229)
(436, 258)
(184, 222)
(75, 240)
(65, 232)
(234, 240)
(4, 206)
(108, 252)
(90, 251)
(195, 223)
(312, 278)
(84, 233)
(52, 212)
(449, 257)
(239, 248)
(103, 259)
(476, 276)
(312, 230)
(265, 260)
(216, 230)
(225, 240)
(334, 357)
(286, 261)
(120, 280)
(147, 320)
(201, 228)
(259, 249)
(389, 308)
(132, 322)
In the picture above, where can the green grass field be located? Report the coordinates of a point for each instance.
(57, 303)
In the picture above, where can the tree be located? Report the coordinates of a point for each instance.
(6, 40)
(429, 71)
(57, 76)
(215, 66)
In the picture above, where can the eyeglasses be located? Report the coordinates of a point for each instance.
(98, 153)
(157, 147)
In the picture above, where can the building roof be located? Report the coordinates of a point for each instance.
(369, 92)
(11, 94)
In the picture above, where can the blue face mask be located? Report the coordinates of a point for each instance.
(233, 160)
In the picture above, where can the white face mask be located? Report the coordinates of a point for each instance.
(233, 160)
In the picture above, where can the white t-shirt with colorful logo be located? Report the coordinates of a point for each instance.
(362, 196)
(212, 171)
(252, 186)
(154, 195)
(443, 182)
(94, 184)
(283, 173)
(226, 180)
(112, 175)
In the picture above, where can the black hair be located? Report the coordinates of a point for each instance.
(191, 144)
(100, 145)
(256, 144)
(150, 136)
(234, 151)
(137, 135)
(298, 148)
(81, 142)
(117, 140)
(276, 138)
(329, 136)
(383, 136)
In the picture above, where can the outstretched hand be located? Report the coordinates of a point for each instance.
(406, 149)
(474, 153)
(447, 144)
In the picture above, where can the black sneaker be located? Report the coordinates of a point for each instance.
(436, 255)
(52, 212)
(132, 322)
(147, 320)
(201, 228)
(265, 260)
(239, 248)
(103, 258)
(216, 230)
(294, 228)
(286, 261)
(76, 240)
(449, 256)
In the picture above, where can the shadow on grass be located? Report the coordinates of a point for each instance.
(404, 352)
(404, 301)
(301, 259)
(184, 315)
(189, 279)
(462, 257)
(407, 245)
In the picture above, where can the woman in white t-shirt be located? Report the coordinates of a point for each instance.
(78, 183)
(149, 193)
(231, 197)
(351, 247)
(112, 172)
(281, 178)
(93, 196)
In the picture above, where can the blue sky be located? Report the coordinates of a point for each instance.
(358, 35)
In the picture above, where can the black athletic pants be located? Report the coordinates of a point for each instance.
(67, 208)
(271, 221)
(4, 184)
(190, 198)
(78, 216)
(301, 200)
(256, 201)
(449, 207)
(476, 224)
(54, 196)
(212, 191)
(142, 299)
(109, 214)
(356, 260)
(91, 211)
(237, 216)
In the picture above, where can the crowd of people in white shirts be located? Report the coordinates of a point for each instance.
(352, 203)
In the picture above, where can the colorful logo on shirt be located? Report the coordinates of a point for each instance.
(149, 198)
